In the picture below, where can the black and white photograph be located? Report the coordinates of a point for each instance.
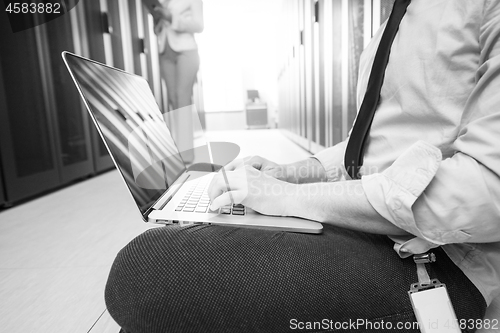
(250, 166)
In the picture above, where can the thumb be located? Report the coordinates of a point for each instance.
(222, 200)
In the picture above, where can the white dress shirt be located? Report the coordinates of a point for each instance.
(432, 159)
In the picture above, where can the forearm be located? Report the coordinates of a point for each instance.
(342, 204)
(189, 25)
(306, 171)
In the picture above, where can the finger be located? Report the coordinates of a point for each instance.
(254, 161)
(232, 181)
(220, 183)
(216, 187)
(222, 200)
(270, 172)
(233, 164)
(227, 198)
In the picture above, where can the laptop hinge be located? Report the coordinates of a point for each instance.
(165, 198)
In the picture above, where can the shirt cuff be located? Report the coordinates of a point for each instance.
(393, 192)
(332, 159)
(410, 245)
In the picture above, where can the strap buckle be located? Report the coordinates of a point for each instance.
(424, 258)
(423, 277)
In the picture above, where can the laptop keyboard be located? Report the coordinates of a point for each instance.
(196, 201)
(235, 209)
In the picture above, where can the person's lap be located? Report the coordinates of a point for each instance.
(225, 279)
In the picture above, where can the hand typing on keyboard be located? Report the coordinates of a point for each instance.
(252, 188)
(260, 163)
(196, 200)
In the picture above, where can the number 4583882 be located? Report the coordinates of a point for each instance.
(33, 8)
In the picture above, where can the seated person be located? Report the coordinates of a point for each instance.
(429, 181)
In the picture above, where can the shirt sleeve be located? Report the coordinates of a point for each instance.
(332, 160)
(457, 199)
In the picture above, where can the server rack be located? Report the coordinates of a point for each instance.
(27, 133)
(46, 136)
(3, 201)
(69, 120)
(332, 34)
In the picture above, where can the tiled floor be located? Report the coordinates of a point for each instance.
(55, 254)
(56, 251)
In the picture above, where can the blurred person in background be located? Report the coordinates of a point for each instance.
(176, 22)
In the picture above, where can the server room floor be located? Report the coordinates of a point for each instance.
(56, 251)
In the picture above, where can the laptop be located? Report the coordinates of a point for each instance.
(141, 146)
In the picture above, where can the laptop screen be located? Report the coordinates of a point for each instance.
(132, 126)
